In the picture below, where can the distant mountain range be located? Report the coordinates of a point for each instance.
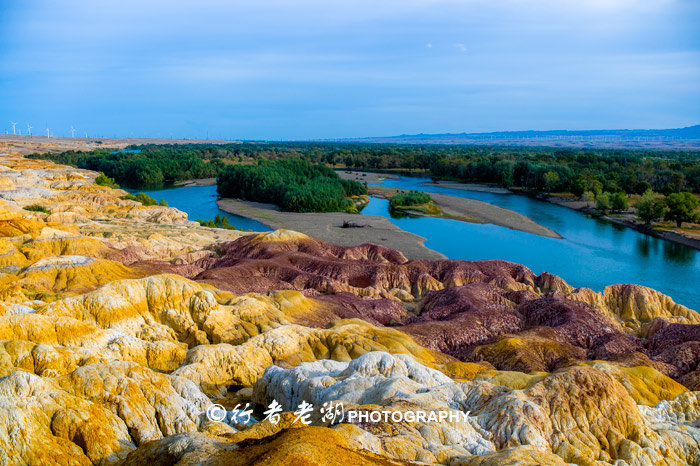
(678, 138)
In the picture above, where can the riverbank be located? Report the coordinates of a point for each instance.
(674, 235)
(368, 177)
(195, 182)
(329, 227)
(485, 188)
(668, 235)
(473, 211)
(666, 232)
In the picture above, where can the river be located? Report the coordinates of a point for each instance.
(199, 202)
(592, 253)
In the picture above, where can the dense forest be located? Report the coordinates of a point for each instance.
(539, 169)
(292, 183)
(536, 169)
(152, 166)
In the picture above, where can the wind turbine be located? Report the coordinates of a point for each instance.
(48, 133)
(72, 131)
(29, 129)
(14, 124)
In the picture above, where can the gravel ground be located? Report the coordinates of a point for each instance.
(471, 210)
(327, 227)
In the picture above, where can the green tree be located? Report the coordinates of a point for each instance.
(551, 181)
(603, 202)
(642, 187)
(596, 187)
(504, 172)
(677, 182)
(588, 196)
(578, 186)
(681, 207)
(649, 207)
(618, 202)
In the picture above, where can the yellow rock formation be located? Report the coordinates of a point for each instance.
(106, 360)
(633, 307)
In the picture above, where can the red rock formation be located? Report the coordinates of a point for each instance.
(679, 346)
(494, 310)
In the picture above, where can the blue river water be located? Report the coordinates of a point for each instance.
(592, 253)
(199, 203)
(126, 151)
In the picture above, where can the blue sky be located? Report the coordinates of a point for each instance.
(303, 69)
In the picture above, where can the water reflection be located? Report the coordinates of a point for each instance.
(644, 245)
(648, 246)
(399, 214)
(678, 253)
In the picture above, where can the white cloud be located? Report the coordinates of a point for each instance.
(428, 45)
(461, 47)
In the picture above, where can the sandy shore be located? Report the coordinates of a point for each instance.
(369, 177)
(470, 187)
(471, 210)
(197, 182)
(459, 208)
(327, 227)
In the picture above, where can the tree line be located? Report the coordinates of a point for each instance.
(676, 207)
(292, 183)
(537, 169)
(605, 176)
(152, 167)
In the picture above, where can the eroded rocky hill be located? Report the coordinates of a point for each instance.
(122, 325)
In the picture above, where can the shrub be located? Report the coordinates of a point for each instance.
(143, 198)
(37, 208)
(411, 198)
(104, 180)
(219, 221)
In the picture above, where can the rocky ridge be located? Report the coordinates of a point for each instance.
(120, 325)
